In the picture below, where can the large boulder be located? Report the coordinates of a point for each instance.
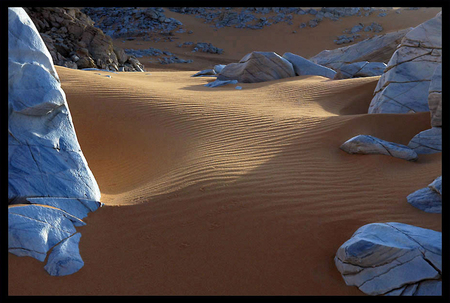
(404, 85)
(303, 67)
(258, 67)
(366, 144)
(392, 259)
(375, 49)
(45, 161)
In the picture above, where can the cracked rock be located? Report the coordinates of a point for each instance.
(427, 142)
(392, 259)
(49, 182)
(365, 144)
(258, 67)
(375, 49)
(412, 65)
(428, 199)
(304, 66)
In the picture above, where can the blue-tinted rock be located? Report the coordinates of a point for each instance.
(427, 142)
(303, 67)
(44, 157)
(34, 229)
(65, 258)
(258, 67)
(366, 144)
(404, 85)
(381, 258)
(217, 83)
(205, 73)
(428, 199)
(76, 207)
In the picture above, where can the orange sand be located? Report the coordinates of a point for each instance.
(218, 191)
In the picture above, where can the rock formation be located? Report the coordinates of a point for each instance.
(375, 49)
(365, 144)
(360, 69)
(74, 42)
(258, 67)
(45, 161)
(430, 141)
(392, 259)
(304, 66)
(428, 199)
(404, 85)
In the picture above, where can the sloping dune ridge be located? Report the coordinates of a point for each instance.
(228, 192)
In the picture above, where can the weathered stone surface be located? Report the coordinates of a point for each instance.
(404, 85)
(303, 67)
(361, 69)
(44, 157)
(217, 83)
(34, 229)
(375, 49)
(258, 67)
(76, 207)
(205, 73)
(427, 142)
(365, 144)
(65, 258)
(435, 97)
(428, 199)
(392, 258)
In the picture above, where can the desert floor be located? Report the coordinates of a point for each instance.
(219, 191)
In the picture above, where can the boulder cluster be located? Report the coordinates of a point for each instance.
(73, 41)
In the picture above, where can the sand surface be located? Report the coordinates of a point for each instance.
(218, 191)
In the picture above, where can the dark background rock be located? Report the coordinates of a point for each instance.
(73, 41)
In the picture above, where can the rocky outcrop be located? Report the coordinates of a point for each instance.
(375, 49)
(428, 141)
(258, 67)
(360, 69)
(365, 144)
(45, 161)
(74, 42)
(303, 67)
(404, 85)
(392, 259)
(428, 199)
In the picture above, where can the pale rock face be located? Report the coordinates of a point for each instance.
(365, 144)
(303, 67)
(44, 156)
(404, 85)
(45, 161)
(375, 49)
(392, 259)
(427, 142)
(361, 69)
(258, 67)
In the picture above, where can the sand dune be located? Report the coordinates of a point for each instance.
(224, 191)
(229, 192)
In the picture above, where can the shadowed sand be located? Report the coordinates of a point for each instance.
(228, 192)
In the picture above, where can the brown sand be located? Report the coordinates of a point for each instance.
(230, 192)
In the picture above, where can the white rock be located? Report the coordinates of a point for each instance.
(427, 142)
(303, 67)
(392, 258)
(404, 85)
(44, 157)
(365, 144)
